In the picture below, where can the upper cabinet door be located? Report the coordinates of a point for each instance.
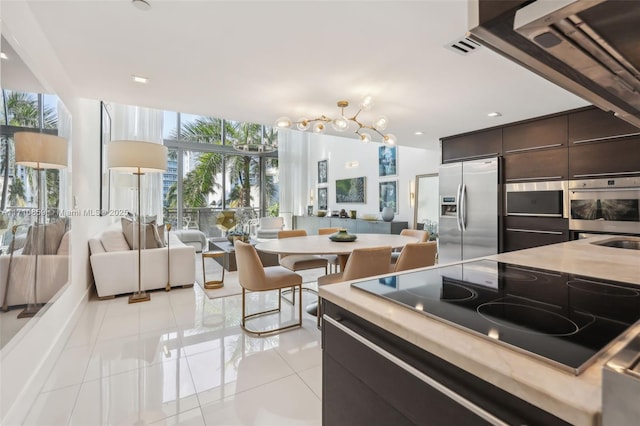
(540, 134)
(471, 146)
(595, 125)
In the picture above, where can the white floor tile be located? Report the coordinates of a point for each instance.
(53, 408)
(181, 359)
(128, 353)
(234, 368)
(313, 378)
(188, 418)
(287, 401)
(69, 368)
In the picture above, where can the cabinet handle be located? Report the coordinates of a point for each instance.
(533, 147)
(493, 154)
(604, 138)
(637, 172)
(481, 412)
(601, 189)
(536, 215)
(535, 231)
(534, 178)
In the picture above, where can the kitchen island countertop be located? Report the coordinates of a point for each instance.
(575, 399)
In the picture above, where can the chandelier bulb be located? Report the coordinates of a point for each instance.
(318, 128)
(283, 122)
(367, 103)
(365, 137)
(303, 123)
(390, 140)
(340, 124)
(381, 123)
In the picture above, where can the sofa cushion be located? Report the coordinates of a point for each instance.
(63, 248)
(50, 234)
(149, 231)
(113, 240)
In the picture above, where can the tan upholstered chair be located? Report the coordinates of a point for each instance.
(332, 259)
(421, 235)
(362, 263)
(415, 255)
(255, 277)
(299, 262)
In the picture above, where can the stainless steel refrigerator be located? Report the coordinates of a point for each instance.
(469, 202)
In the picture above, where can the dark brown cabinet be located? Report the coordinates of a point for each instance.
(471, 146)
(532, 135)
(372, 377)
(548, 164)
(528, 232)
(618, 158)
(593, 125)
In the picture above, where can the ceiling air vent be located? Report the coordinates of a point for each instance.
(463, 46)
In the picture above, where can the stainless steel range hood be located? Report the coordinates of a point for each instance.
(589, 47)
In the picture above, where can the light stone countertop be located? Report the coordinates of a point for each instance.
(575, 399)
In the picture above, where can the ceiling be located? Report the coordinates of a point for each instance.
(256, 61)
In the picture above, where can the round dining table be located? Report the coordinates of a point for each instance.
(321, 244)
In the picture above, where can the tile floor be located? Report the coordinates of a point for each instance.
(183, 359)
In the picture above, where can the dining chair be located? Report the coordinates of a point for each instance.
(299, 262)
(421, 235)
(332, 259)
(415, 255)
(362, 263)
(253, 276)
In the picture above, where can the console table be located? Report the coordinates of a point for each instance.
(228, 262)
(354, 226)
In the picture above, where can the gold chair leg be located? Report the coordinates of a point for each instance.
(276, 330)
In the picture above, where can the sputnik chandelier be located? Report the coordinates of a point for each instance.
(342, 123)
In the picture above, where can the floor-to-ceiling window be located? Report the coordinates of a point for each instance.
(215, 165)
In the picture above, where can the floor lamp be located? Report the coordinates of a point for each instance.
(39, 151)
(137, 157)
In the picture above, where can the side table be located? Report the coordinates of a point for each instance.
(212, 284)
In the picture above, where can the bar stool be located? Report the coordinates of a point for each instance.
(213, 284)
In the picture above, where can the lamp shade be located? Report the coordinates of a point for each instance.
(40, 150)
(137, 156)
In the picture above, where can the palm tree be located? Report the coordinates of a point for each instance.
(23, 110)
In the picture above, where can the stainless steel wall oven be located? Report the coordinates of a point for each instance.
(605, 205)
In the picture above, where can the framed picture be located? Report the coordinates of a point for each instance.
(389, 195)
(309, 210)
(323, 171)
(323, 196)
(105, 173)
(351, 190)
(387, 161)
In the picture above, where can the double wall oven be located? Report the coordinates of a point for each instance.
(605, 205)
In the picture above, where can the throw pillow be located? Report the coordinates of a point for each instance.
(113, 240)
(149, 233)
(49, 236)
(63, 248)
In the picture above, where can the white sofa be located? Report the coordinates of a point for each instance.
(53, 274)
(115, 269)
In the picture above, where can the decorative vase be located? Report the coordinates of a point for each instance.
(342, 236)
(387, 214)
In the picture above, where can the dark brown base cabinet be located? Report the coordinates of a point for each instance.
(372, 377)
(528, 232)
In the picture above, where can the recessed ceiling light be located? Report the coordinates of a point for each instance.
(138, 79)
(418, 133)
(494, 114)
(3, 55)
(141, 4)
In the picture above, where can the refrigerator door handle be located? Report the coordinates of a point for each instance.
(463, 207)
(458, 207)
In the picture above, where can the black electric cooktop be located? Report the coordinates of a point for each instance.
(563, 319)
